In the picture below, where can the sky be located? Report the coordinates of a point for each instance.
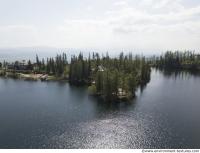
(144, 25)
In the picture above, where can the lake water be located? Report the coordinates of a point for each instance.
(165, 114)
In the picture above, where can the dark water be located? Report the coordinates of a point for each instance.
(54, 115)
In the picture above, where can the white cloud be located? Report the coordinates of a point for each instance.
(18, 35)
(130, 27)
(121, 3)
(162, 5)
(148, 24)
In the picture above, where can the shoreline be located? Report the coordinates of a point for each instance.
(38, 77)
(31, 76)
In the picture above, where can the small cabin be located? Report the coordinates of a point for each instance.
(18, 66)
(100, 68)
(121, 92)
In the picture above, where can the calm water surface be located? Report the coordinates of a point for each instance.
(165, 114)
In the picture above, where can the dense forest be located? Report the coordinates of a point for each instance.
(109, 78)
(177, 60)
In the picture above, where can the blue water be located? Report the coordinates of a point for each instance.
(165, 114)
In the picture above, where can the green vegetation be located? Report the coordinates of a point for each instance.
(110, 78)
(53, 66)
(52, 69)
(178, 60)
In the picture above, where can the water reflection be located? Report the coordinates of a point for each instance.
(164, 114)
(108, 107)
(142, 88)
(176, 74)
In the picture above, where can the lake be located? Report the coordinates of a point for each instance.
(165, 114)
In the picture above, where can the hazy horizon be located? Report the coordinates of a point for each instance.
(145, 26)
(26, 53)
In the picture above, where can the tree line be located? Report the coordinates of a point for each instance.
(177, 60)
(107, 77)
(110, 78)
(57, 66)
